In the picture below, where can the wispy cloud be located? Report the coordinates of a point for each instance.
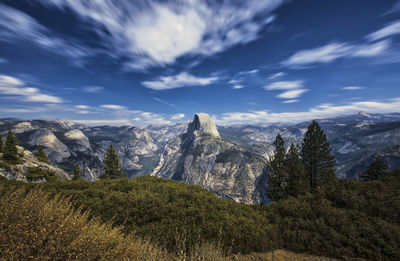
(177, 81)
(237, 86)
(165, 102)
(292, 90)
(123, 114)
(389, 30)
(12, 86)
(334, 51)
(156, 33)
(17, 27)
(350, 88)
(276, 75)
(291, 101)
(318, 112)
(292, 94)
(178, 116)
(2, 60)
(284, 85)
(93, 89)
(112, 107)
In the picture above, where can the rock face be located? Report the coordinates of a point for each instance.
(203, 123)
(201, 157)
(28, 160)
(55, 149)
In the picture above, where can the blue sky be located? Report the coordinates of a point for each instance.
(159, 62)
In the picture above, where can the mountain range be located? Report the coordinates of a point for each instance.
(228, 160)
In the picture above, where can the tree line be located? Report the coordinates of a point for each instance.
(302, 169)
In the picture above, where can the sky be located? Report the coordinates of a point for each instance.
(148, 62)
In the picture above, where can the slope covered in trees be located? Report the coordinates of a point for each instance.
(343, 219)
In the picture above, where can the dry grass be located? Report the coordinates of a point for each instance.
(37, 226)
(279, 255)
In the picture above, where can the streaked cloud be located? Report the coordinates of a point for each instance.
(3, 61)
(180, 80)
(284, 85)
(350, 88)
(292, 94)
(389, 30)
(93, 89)
(276, 75)
(165, 102)
(178, 116)
(112, 107)
(319, 112)
(154, 33)
(292, 90)
(334, 51)
(13, 86)
(17, 27)
(291, 101)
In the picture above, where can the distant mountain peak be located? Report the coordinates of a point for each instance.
(202, 123)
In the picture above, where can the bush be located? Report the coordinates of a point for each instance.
(37, 226)
(38, 173)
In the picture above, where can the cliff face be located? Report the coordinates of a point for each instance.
(201, 157)
(21, 170)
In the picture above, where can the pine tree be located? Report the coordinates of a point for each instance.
(10, 152)
(41, 154)
(277, 178)
(76, 174)
(377, 170)
(317, 158)
(296, 172)
(112, 167)
(1, 143)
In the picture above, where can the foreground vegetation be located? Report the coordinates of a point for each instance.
(346, 219)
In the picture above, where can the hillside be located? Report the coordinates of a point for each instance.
(347, 219)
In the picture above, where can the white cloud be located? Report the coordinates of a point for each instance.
(389, 30)
(154, 33)
(82, 107)
(238, 86)
(113, 107)
(284, 85)
(277, 75)
(12, 86)
(177, 81)
(318, 112)
(349, 88)
(291, 101)
(18, 27)
(292, 90)
(178, 116)
(333, 51)
(292, 94)
(93, 89)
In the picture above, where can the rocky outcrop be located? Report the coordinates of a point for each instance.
(202, 123)
(55, 149)
(79, 138)
(28, 160)
(202, 158)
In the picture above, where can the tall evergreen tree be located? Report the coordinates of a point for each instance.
(112, 167)
(377, 170)
(317, 157)
(76, 174)
(296, 173)
(10, 152)
(1, 143)
(277, 178)
(41, 154)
